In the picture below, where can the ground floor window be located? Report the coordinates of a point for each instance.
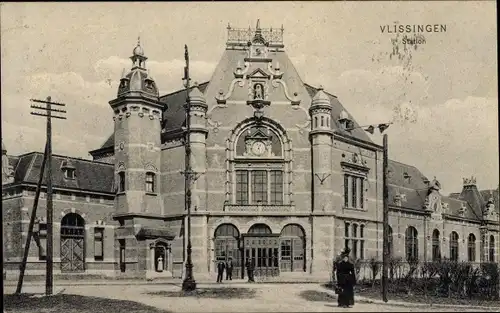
(270, 253)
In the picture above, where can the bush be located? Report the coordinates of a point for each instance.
(375, 269)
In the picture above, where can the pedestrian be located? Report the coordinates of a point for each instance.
(229, 269)
(248, 265)
(252, 270)
(220, 271)
(346, 279)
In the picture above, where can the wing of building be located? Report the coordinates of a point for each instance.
(283, 176)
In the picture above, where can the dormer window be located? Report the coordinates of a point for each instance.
(69, 173)
(68, 169)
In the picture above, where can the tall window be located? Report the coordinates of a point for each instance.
(150, 182)
(42, 240)
(411, 243)
(98, 244)
(436, 246)
(355, 240)
(492, 249)
(259, 164)
(454, 246)
(121, 181)
(390, 242)
(353, 191)
(259, 187)
(471, 248)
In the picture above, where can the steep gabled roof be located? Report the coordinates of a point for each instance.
(90, 175)
(413, 186)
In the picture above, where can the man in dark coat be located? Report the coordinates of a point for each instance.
(250, 268)
(220, 271)
(346, 279)
(229, 269)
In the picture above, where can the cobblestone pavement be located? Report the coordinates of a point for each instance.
(269, 298)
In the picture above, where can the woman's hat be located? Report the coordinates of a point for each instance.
(346, 252)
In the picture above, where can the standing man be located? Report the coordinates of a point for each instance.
(229, 269)
(220, 271)
(250, 268)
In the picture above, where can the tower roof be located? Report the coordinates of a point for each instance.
(4, 149)
(321, 98)
(138, 78)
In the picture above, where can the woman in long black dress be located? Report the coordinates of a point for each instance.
(346, 279)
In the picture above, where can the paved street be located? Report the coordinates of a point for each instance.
(269, 298)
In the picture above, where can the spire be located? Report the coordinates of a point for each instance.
(257, 38)
(138, 57)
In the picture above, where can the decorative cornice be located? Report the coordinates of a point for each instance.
(221, 98)
(294, 100)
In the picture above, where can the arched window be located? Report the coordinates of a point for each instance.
(259, 167)
(72, 243)
(390, 242)
(227, 238)
(293, 248)
(260, 229)
(492, 249)
(150, 182)
(322, 121)
(411, 243)
(471, 248)
(454, 246)
(436, 246)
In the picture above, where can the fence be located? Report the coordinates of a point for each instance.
(445, 278)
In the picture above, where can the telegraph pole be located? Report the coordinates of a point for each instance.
(189, 284)
(385, 199)
(385, 256)
(49, 282)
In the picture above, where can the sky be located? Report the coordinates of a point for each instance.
(442, 95)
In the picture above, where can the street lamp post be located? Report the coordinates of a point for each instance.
(385, 194)
(189, 284)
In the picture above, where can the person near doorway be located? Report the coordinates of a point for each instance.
(250, 269)
(229, 269)
(220, 271)
(346, 279)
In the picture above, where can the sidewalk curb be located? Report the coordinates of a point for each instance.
(435, 305)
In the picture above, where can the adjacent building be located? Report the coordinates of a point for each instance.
(284, 176)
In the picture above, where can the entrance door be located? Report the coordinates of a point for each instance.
(263, 251)
(292, 255)
(226, 249)
(72, 243)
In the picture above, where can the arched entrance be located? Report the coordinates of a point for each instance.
(261, 247)
(292, 249)
(72, 243)
(160, 255)
(227, 238)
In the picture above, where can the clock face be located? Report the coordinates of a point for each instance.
(258, 148)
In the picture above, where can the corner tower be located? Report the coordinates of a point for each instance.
(321, 136)
(137, 116)
(321, 141)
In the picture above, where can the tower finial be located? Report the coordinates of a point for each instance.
(258, 25)
(138, 40)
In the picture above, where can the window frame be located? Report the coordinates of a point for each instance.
(354, 239)
(354, 193)
(99, 230)
(270, 189)
(454, 246)
(150, 182)
(122, 181)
